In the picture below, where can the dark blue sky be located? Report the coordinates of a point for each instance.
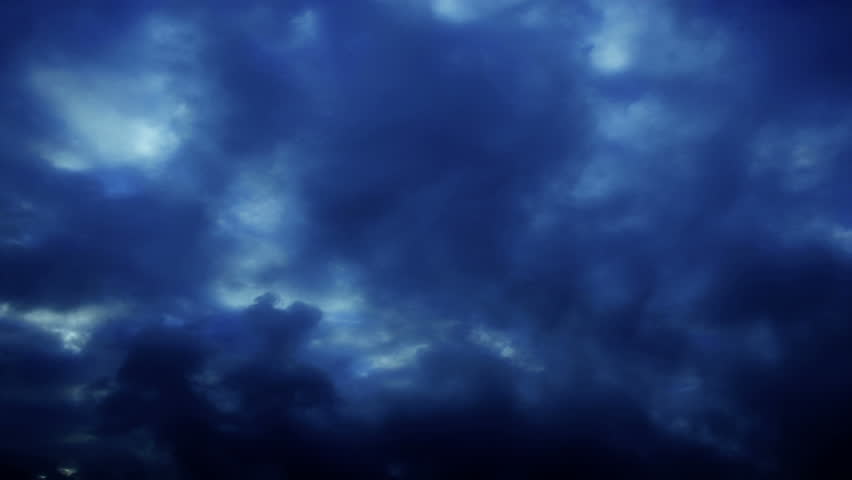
(425, 239)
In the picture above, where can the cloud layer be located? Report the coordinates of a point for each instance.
(425, 239)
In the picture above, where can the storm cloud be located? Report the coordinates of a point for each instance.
(426, 239)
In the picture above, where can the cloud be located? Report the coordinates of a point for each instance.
(424, 240)
(105, 133)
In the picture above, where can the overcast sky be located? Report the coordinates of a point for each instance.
(425, 239)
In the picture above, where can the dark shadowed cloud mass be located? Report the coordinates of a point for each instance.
(425, 239)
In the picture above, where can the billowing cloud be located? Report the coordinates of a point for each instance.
(411, 240)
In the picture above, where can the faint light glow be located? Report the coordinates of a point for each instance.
(62, 159)
(305, 28)
(173, 321)
(150, 140)
(688, 384)
(396, 470)
(401, 358)
(643, 123)
(646, 36)
(803, 156)
(73, 327)
(843, 236)
(495, 341)
(259, 212)
(236, 294)
(534, 17)
(461, 11)
(454, 10)
(238, 288)
(209, 384)
(343, 302)
(610, 55)
(242, 293)
(67, 471)
(171, 39)
(612, 45)
(763, 341)
(352, 336)
(504, 346)
(262, 254)
(598, 180)
(77, 393)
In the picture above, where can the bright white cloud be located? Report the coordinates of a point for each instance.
(111, 119)
(72, 327)
(135, 116)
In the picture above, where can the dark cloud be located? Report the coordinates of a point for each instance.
(415, 240)
(69, 242)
